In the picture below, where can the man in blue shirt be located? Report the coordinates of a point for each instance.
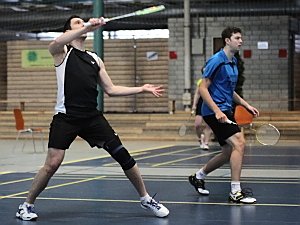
(217, 90)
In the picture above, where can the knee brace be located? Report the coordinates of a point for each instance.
(119, 153)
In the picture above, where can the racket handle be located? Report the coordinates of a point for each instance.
(88, 24)
(230, 122)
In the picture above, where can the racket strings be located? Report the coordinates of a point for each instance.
(182, 130)
(267, 134)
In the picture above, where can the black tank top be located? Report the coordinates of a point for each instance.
(77, 89)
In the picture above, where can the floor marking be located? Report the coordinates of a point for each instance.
(16, 181)
(6, 172)
(83, 160)
(108, 156)
(56, 186)
(156, 155)
(184, 159)
(167, 202)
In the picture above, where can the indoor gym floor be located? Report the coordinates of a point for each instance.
(90, 187)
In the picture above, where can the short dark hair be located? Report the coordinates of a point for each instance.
(228, 32)
(67, 25)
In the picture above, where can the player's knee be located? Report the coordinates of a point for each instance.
(51, 167)
(119, 153)
(53, 161)
(123, 157)
(241, 143)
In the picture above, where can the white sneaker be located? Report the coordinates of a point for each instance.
(157, 208)
(198, 184)
(244, 196)
(26, 212)
(205, 146)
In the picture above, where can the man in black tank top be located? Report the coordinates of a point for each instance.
(78, 72)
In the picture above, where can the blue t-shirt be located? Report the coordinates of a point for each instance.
(223, 75)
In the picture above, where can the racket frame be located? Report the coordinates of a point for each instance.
(274, 129)
(256, 132)
(141, 12)
(183, 128)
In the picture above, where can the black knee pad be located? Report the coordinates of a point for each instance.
(119, 153)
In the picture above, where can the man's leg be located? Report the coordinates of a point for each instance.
(135, 178)
(197, 180)
(131, 170)
(218, 160)
(237, 195)
(237, 142)
(147, 202)
(207, 134)
(198, 122)
(40, 182)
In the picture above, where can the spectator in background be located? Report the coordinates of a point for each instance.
(204, 134)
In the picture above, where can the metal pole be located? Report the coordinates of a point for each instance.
(135, 74)
(98, 10)
(187, 57)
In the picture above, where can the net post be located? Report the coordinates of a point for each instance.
(98, 9)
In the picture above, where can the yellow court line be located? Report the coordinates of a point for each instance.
(184, 159)
(16, 181)
(85, 159)
(152, 149)
(108, 156)
(82, 160)
(170, 202)
(156, 155)
(55, 186)
(174, 179)
(6, 172)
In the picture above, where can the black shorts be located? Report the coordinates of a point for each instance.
(199, 105)
(222, 131)
(64, 129)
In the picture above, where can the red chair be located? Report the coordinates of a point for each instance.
(20, 126)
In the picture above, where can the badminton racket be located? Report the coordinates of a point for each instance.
(266, 134)
(146, 11)
(183, 128)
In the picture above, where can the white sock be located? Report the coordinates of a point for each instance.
(235, 186)
(145, 198)
(27, 204)
(201, 174)
(202, 139)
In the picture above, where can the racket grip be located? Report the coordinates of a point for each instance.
(88, 24)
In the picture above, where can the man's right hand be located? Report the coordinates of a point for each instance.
(95, 23)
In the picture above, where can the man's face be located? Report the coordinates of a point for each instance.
(235, 41)
(77, 23)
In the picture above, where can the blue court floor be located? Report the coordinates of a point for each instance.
(90, 188)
